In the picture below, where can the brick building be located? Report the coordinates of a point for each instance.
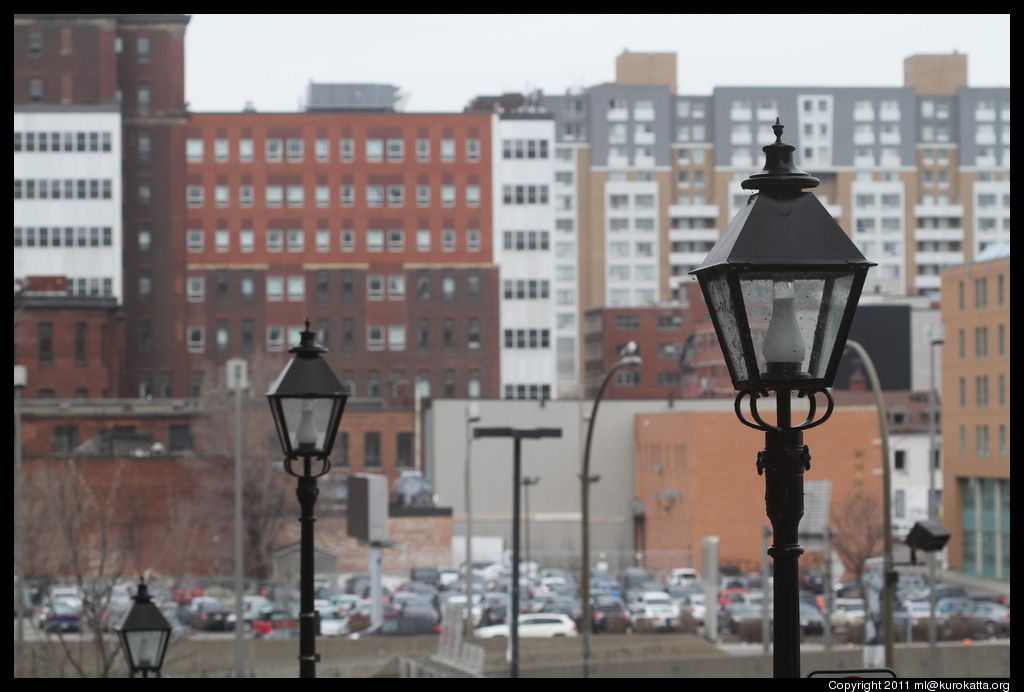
(976, 427)
(375, 226)
(695, 476)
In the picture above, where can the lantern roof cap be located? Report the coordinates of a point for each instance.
(307, 374)
(779, 174)
(787, 231)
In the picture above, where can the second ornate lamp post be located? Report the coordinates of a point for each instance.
(307, 401)
(782, 285)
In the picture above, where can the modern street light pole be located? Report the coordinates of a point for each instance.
(471, 417)
(628, 359)
(528, 482)
(238, 381)
(887, 560)
(933, 510)
(20, 381)
(782, 285)
(307, 401)
(518, 435)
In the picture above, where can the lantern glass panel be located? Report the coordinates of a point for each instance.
(794, 319)
(729, 333)
(146, 647)
(308, 420)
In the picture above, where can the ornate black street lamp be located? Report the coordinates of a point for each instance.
(782, 285)
(307, 401)
(144, 635)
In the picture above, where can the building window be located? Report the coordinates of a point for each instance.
(371, 449)
(403, 449)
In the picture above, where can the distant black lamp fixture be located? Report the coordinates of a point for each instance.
(307, 401)
(781, 286)
(144, 635)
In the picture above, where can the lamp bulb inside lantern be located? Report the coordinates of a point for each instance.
(783, 342)
(306, 435)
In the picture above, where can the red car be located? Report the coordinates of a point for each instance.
(184, 591)
(265, 623)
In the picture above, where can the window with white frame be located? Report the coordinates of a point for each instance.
(348, 195)
(295, 150)
(396, 240)
(296, 196)
(246, 240)
(323, 195)
(423, 195)
(473, 240)
(245, 195)
(396, 287)
(220, 150)
(396, 337)
(423, 240)
(375, 240)
(245, 150)
(296, 240)
(274, 150)
(396, 150)
(196, 289)
(374, 195)
(375, 337)
(473, 195)
(222, 195)
(194, 196)
(323, 240)
(447, 150)
(423, 150)
(396, 195)
(222, 240)
(473, 150)
(194, 150)
(275, 338)
(296, 288)
(448, 195)
(374, 150)
(275, 288)
(274, 195)
(196, 340)
(275, 240)
(448, 240)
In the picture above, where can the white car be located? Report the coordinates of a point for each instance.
(333, 622)
(533, 625)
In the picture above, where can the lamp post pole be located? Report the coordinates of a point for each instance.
(237, 377)
(887, 559)
(932, 508)
(782, 285)
(528, 482)
(471, 417)
(629, 359)
(517, 435)
(307, 402)
(20, 380)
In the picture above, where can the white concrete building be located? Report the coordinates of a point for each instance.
(67, 197)
(525, 249)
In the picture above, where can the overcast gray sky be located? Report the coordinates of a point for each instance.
(443, 61)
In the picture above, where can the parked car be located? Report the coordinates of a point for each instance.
(332, 622)
(731, 616)
(846, 612)
(273, 620)
(989, 619)
(533, 625)
(681, 576)
(811, 619)
(427, 575)
(610, 615)
(694, 604)
(184, 591)
(213, 617)
(406, 624)
(60, 616)
(655, 611)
